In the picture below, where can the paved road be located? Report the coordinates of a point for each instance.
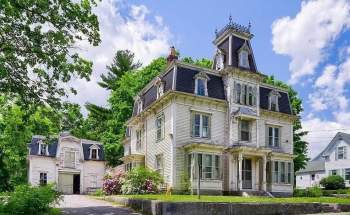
(85, 205)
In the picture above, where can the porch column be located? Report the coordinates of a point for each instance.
(264, 173)
(240, 159)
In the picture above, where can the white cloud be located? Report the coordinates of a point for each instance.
(305, 37)
(138, 31)
(330, 88)
(322, 132)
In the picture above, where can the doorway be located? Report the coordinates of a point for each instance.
(76, 184)
(247, 173)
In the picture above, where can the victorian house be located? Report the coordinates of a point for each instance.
(74, 165)
(223, 126)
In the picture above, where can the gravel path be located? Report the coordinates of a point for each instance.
(84, 205)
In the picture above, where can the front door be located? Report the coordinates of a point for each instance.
(76, 184)
(65, 183)
(247, 173)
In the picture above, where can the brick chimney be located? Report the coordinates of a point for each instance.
(172, 56)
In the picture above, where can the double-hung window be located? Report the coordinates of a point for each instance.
(138, 140)
(200, 125)
(273, 102)
(43, 148)
(347, 174)
(341, 153)
(159, 163)
(94, 154)
(201, 87)
(160, 127)
(243, 59)
(273, 136)
(43, 178)
(244, 130)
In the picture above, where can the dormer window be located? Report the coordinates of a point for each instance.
(273, 100)
(201, 80)
(43, 149)
(243, 59)
(93, 153)
(139, 105)
(160, 87)
(243, 54)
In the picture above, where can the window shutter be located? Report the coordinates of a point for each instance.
(336, 153)
(345, 152)
(250, 131)
(254, 96)
(266, 136)
(242, 94)
(209, 126)
(239, 130)
(279, 137)
(234, 92)
(192, 124)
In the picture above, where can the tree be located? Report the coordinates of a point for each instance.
(37, 40)
(203, 62)
(300, 146)
(123, 62)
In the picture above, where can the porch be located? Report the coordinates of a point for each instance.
(248, 169)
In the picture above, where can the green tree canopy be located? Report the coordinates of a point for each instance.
(123, 62)
(37, 41)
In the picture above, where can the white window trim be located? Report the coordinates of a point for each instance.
(162, 127)
(213, 167)
(246, 56)
(287, 174)
(243, 98)
(201, 114)
(276, 95)
(94, 147)
(161, 166)
(44, 173)
(344, 151)
(138, 141)
(240, 129)
(203, 77)
(47, 148)
(274, 136)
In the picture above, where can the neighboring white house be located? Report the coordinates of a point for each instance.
(334, 160)
(75, 165)
(225, 122)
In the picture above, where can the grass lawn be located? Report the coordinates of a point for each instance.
(238, 199)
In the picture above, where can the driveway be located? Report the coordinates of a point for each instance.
(85, 205)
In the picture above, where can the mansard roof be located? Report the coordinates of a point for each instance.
(52, 146)
(184, 81)
(328, 150)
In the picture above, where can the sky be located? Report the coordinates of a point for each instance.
(304, 43)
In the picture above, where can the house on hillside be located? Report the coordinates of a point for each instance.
(74, 165)
(333, 160)
(223, 125)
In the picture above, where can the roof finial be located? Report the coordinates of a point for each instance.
(230, 19)
(249, 26)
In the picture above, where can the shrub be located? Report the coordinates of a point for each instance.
(333, 182)
(308, 192)
(112, 184)
(141, 181)
(98, 192)
(30, 200)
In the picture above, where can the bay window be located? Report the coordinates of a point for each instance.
(282, 172)
(209, 164)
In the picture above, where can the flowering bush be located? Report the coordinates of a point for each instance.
(141, 181)
(112, 184)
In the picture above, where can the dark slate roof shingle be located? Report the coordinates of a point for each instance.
(283, 101)
(185, 82)
(34, 147)
(86, 151)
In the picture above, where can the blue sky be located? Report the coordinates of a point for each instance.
(304, 43)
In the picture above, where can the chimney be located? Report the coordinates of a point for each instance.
(172, 56)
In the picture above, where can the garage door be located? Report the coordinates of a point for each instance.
(65, 183)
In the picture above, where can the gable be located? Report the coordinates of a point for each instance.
(340, 136)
